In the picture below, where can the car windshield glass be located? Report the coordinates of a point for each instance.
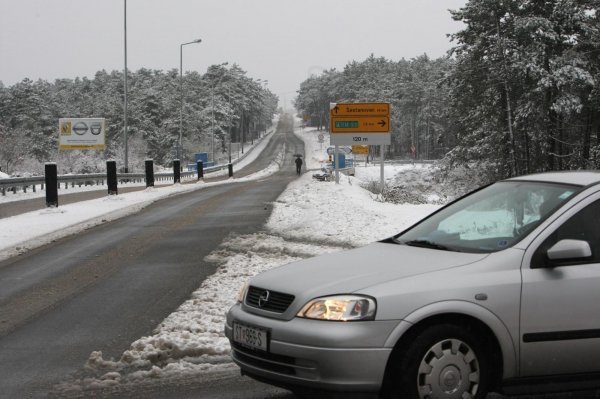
(489, 220)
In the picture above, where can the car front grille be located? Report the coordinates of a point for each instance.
(272, 301)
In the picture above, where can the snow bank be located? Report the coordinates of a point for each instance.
(342, 213)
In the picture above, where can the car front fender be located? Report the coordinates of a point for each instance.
(498, 328)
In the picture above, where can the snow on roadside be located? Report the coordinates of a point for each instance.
(315, 155)
(405, 183)
(343, 214)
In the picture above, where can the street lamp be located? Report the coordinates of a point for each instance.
(212, 123)
(264, 83)
(179, 147)
(212, 114)
(230, 117)
(125, 88)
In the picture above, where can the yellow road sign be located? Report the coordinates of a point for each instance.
(360, 109)
(360, 149)
(65, 128)
(362, 124)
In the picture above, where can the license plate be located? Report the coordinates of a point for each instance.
(251, 337)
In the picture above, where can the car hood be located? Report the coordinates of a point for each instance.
(356, 269)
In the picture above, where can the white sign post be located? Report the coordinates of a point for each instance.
(81, 134)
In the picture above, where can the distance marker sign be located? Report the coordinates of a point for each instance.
(360, 123)
(360, 109)
(363, 124)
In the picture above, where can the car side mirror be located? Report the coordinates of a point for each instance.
(569, 249)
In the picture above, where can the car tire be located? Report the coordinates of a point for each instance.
(442, 362)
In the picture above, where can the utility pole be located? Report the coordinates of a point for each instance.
(242, 125)
(179, 146)
(125, 90)
(230, 116)
(212, 124)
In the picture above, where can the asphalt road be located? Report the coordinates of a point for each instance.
(106, 287)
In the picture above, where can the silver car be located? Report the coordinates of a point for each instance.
(497, 288)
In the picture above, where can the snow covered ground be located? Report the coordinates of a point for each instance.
(309, 218)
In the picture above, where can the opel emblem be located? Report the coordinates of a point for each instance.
(263, 299)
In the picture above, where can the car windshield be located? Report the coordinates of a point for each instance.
(489, 220)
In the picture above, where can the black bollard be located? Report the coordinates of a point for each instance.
(200, 169)
(149, 173)
(230, 167)
(51, 184)
(176, 171)
(111, 177)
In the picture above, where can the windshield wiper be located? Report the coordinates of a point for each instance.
(426, 244)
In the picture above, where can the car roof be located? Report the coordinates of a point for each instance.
(579, 178)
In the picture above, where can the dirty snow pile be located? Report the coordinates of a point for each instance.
(343, 214)
(308, 219)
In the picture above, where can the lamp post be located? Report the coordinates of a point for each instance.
(125, 88)
(230, 117)
(212, 113)
(263, 83)
(212, 124)
(179, 147)
(266, 83)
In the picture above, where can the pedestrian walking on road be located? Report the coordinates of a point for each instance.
(298, 162)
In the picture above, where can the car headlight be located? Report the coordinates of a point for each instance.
(340, 308)
(242, 293)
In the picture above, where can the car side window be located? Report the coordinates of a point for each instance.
(584, 225)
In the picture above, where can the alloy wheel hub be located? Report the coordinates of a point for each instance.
(449, 370)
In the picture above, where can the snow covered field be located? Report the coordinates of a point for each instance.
(310, 218)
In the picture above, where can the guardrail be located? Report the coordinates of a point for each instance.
(99, 179)
(15, 184)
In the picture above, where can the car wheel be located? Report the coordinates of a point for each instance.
(442, 362)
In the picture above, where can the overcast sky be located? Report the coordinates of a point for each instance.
(282, 41)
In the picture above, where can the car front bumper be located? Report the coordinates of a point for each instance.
(337, 356)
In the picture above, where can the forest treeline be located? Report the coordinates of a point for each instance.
(518, 93)
(218, 103)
